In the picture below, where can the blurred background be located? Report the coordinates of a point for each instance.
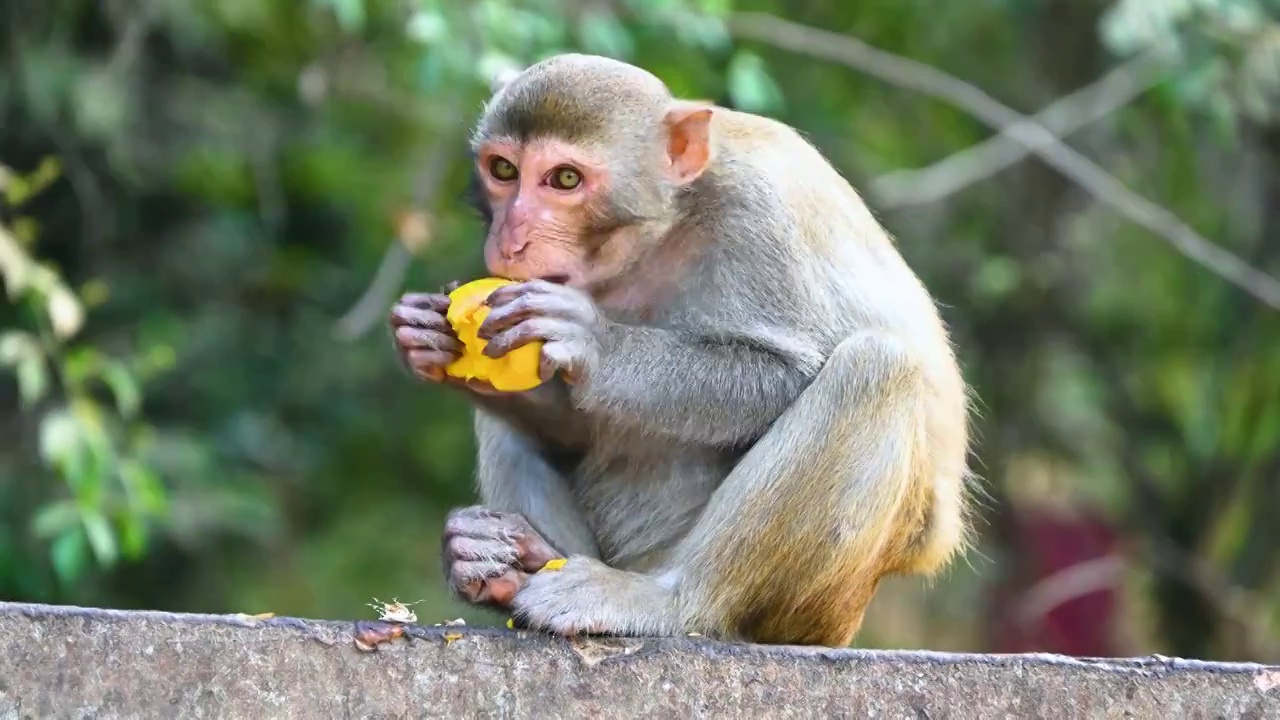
(208, 206)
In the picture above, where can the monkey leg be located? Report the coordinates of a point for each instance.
(837, 493)
(791, 546)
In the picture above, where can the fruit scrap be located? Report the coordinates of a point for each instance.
(369, 635)
(394, 611)
(516, 371)
(554, 564)
(450, 637)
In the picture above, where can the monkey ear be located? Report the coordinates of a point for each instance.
(688, 140)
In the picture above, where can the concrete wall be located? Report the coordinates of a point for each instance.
(86, 663)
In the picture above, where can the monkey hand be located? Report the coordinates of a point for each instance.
(426, 342)
(586, 597)
(489, 554)
(563, 318)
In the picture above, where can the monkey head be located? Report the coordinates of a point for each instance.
(581, 162)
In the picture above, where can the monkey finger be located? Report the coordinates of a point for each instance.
(532, 330)
(560, 358)
(420, 339)
(482, 523)
(508, 293)
(564, 306)
(429, 364)
(507, 315)
(419, 317)
(427, 301)
(460, 547)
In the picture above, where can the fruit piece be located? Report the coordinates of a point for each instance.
(516, 371)
(555, 564)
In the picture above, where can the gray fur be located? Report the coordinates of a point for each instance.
(792, 401)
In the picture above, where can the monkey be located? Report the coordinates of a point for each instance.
(752, 411)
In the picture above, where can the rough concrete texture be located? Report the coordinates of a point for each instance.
(86, 663)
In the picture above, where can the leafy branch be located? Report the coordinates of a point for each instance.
(1102, 185)
(96, 447)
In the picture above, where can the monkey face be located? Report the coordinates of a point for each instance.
(550, 207)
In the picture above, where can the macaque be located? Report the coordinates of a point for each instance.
(752, 411)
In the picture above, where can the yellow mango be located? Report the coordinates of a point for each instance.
(516, 371)
(555, 564)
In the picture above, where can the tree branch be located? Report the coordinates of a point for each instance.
(396, 261)
(1062, 117)
(927, 80)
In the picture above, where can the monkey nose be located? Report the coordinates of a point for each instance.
(513, 243)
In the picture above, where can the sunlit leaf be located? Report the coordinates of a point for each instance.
(427, 27)
(16, 267)
(95, 292)
(124, 386)
(55, 518)
(715, 7)
(350, 14)
(59, 436)
(704, 31)
(133, 537)
(33, 379)
(602, 34)
(65, 312)
(70, 555)
(22, 351)
(997, 276)
(494, 65)
(102, 103)
(101, 539)
(26, 230)
(144, 486)
(750, 86)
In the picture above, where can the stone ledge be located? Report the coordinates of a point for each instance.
(90, 663)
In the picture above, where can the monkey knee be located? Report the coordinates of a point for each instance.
(877, 359)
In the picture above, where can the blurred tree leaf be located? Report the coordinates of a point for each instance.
(750, 86)
(601, 33)
(70, 554)
(21, 350)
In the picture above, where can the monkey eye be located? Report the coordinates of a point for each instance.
(503, 169)
(565, 178)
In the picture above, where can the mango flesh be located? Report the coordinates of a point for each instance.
(516, 371)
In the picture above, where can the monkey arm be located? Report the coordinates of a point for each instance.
(725, 388)
(515, 476)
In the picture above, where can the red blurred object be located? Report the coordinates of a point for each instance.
(1083, 623)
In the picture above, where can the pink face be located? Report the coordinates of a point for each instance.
(543, 195)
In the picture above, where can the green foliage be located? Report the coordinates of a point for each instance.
(95, 448)
(193, 197)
